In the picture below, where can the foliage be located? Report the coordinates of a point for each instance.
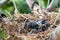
(22, 6)
(8, 7)
(2, 34)
(43, 3)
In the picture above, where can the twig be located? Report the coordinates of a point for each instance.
(14, 4)
(56, 18)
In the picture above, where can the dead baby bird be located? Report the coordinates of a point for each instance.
(35, 26)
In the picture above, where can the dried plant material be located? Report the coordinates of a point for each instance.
(13, 28)
(16, 13)
(55, 35)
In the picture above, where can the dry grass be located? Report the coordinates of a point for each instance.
(12, 27)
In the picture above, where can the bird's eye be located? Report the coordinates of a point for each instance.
(43, 22)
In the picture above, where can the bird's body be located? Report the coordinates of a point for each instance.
(35, 26)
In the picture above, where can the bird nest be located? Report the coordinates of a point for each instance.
(14, 27)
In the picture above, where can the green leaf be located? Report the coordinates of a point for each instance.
(43, 3)
(22, 6)
(8, 6)
(55, 3)
(2, 34)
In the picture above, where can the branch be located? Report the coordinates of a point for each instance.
(55, 35)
